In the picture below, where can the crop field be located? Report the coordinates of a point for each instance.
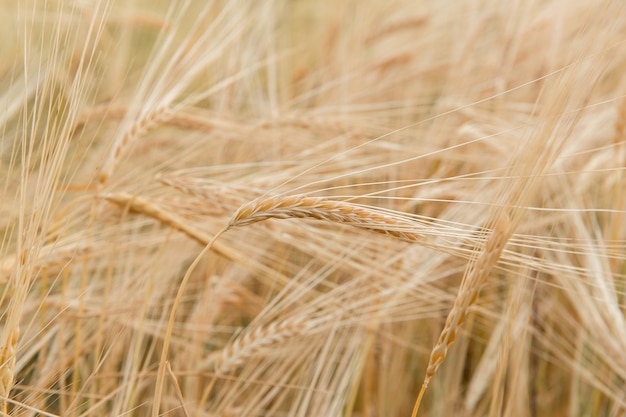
(313, 208)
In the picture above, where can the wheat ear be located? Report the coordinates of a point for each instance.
(298, 206)
(7, 366)
(475, 277)
(138, 128)
(253, 342)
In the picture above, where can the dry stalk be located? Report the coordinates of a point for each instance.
(99, 112)
(7, 366)
(144, 206)
(179, 393)
(620, 121)
(327, 210)
(407, 24)
(199, 123)
(166, 116)
(312, 123)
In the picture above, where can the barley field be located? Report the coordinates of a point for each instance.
(293, 208)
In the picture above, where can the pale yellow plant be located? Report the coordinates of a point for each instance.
(308, 208)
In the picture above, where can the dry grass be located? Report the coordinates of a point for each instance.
(294, 208)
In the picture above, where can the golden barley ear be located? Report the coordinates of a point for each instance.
(298, 206)
(253, 342)
(138, 128)
(475, 276)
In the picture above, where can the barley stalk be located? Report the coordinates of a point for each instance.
(99, 112)
(198, 123)
(163, 114)
(7, 365)
(297, 206)
(142, 205)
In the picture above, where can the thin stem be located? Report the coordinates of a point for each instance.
(170, 325)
